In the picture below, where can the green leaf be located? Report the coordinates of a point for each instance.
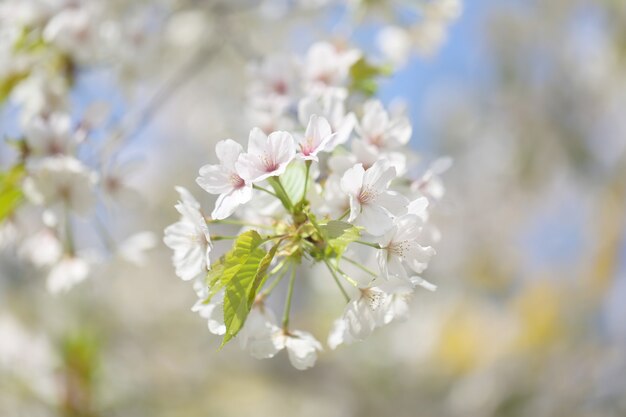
(10, 191)
(245, 269)
(261, 274)
(7, 84)
(293, 180)
(339, 235)
(363, 76)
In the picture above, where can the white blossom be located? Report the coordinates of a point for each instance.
(267, 156)
(189, 238)
(401, 247)
(68, 272)
(223, 179)
(315, 139)
(372, 205)
(301, 347)
(62, 181)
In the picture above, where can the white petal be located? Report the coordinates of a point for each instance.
(228, 152)
(226, 204)
(352, 180)
(214, 179)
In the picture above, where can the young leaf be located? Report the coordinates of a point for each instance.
(244, 271)
(363, 76)
(339, 235)
(293, 180)
(10, 192)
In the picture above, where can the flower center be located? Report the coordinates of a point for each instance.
(373, 297)
(400, 248)
(367, 195)
(268, 163)
(236, 181)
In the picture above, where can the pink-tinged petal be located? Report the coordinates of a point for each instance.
(250, 168)
(282, 150)
(214, 179)
(228, 152)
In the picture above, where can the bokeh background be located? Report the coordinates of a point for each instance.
(527, 98)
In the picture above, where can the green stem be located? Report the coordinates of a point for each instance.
(373, 245)
(267, 291)
(69, 237)
(358, 265)
(241, 223)
(332, 272)
(257, 187)
(344, 215)
(347, 277)
(306, 180)
(292, 279)
(281, 193)
(215, 238)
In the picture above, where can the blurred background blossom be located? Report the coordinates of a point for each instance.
(528, 320)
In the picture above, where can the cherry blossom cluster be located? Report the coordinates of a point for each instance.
(59, 173)
(331, 188)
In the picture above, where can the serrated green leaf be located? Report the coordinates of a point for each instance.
(261, 274)
(339, 235)
(244, 270)
(213, 279)
(10, 191)
(293, 180)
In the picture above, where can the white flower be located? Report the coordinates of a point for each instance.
(258, 335)
(224, 180)
(68, 272)
(317, 136)
(189, 238)
(366, 154)
(329, 102)
(430, 184)
(268, 156)
(274, 77)
(115, 184)
(301, 347)
(74, 31)
(372, 205)
(335, 202)
(395, 43)
(50, 135)
(366, 311)
(43, 248)
(213, 312)
(62, 180)
(134, 248)
(378, 129)
(401, 246)
(328, 65)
